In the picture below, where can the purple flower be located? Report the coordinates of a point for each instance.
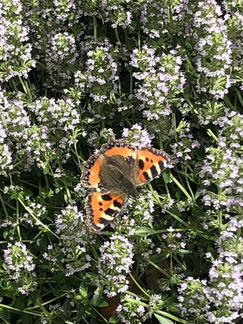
(161, 80)
(15, 50)
(115, 263)
(20, 267)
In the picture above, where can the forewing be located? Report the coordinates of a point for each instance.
(151, 163)
(91, 176)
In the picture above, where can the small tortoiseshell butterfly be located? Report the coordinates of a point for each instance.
(114, 174)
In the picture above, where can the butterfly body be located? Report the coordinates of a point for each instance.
(114, 174)
(117, 175)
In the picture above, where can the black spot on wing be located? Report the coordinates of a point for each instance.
(117, 204)
(154, 171)
(161, 165)
(110, 211)
(103, 221)
(146, 176)
(106, 197)
(140, 164)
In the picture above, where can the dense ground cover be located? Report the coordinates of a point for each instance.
(76, 74)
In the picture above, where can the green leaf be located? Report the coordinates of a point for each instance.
(98, 299)
(103, 303)
(113, 320)
(163, 320)
(145, 231)
(166, 176)
(83, 290)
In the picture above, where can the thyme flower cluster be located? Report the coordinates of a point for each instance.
(115, 264)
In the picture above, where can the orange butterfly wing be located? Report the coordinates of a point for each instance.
(151, 163)
(91, 176)
(102, 208)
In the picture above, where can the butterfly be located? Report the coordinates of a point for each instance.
(114, 174)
